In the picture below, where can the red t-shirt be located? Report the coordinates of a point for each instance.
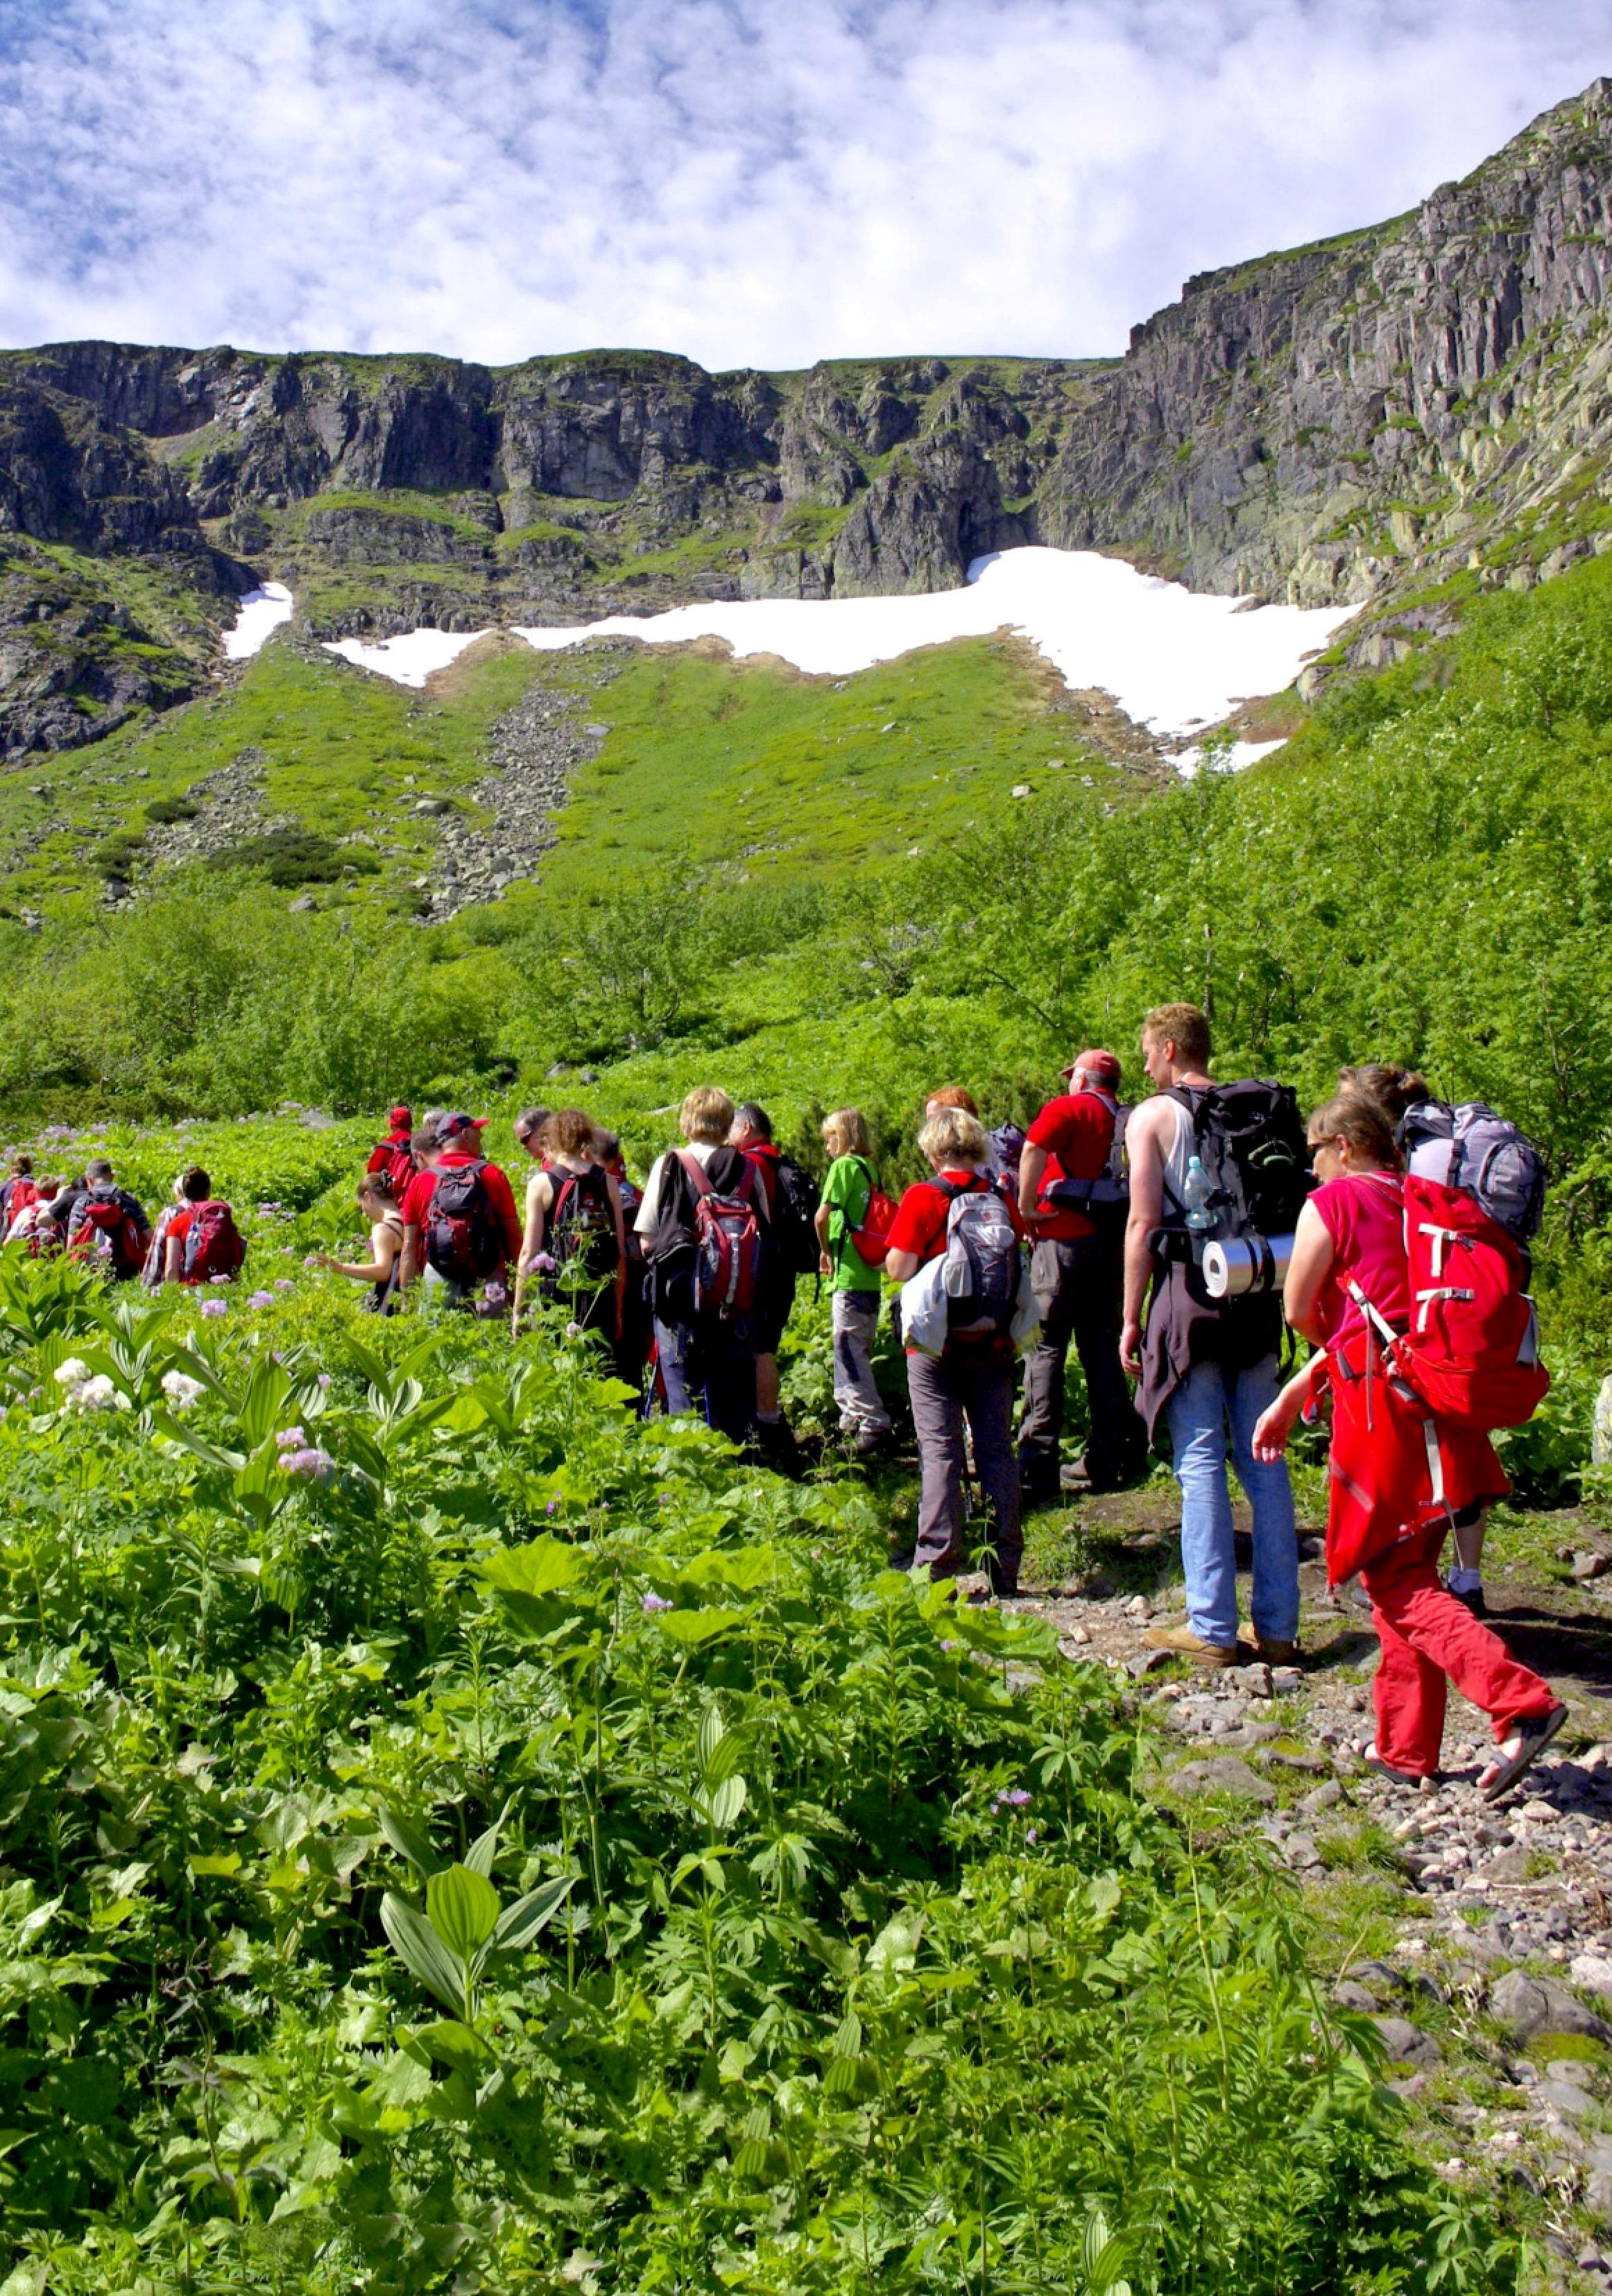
(1077, 1130)
(1364, 1213)
(417, 1196)
(921, 1216)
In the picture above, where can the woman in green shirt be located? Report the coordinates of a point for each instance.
(853, 1284)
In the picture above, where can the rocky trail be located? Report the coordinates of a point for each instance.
(1477, 1937)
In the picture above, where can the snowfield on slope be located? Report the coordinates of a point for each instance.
(261, 613)
(1174, 660)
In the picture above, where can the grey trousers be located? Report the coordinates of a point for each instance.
(855, 1321)
(974, 1384)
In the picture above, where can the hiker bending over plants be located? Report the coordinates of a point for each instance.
(574, 1244)
(1399, 1470)
(384, 1266)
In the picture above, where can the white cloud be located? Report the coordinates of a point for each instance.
(761, 181)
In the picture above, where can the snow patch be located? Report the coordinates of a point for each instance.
(1174, 660)
(409, 660)
(261, 613)
(1187, 762)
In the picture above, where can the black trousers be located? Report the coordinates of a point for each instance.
(1080, 1291)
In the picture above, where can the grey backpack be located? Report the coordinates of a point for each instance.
(983, 1261)
(1470, 1148)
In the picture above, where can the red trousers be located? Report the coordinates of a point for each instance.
(1428, 1641)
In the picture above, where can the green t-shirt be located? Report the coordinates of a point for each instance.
(846, 1192)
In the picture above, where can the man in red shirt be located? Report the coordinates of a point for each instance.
(456, 1146)
(1077, 1217)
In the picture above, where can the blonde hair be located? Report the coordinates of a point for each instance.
(844, 1133)
(706, 1115)
(952, 1137)
(1184, 1026)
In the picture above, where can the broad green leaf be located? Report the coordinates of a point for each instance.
(457, 2045)
(696, 1627)
(519, 1923)
(226, 1864)
(727, 1803)
(484, 1849)
(422, 1952)
(409, 1840)
(539, 1568)
(463, 1908)
(741, 1567)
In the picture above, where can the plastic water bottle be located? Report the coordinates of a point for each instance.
(1197, 1193)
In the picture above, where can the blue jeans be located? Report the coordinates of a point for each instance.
(1209, 1399)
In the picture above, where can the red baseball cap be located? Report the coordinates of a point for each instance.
(459, 1122)
(401, 1120)
(1100, 1067)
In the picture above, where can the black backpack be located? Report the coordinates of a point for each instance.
(462, 1242)
(1251, 1139)
(792, 1235)
(1105, 1198)
(582, 1225)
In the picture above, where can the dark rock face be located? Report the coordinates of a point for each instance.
(1312, 423)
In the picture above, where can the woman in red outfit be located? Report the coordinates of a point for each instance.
(1397, 1475)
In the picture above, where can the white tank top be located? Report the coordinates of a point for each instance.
(1177, 1155)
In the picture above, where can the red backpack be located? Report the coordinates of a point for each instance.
(21, 1194)
(102, 1229)
(728, 1244)
(213, 1247)
(1472, 1350)
(871, 1238)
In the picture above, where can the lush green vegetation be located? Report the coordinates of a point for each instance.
(457, 1837)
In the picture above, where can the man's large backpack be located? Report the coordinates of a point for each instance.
(792, 1236)
(1251, 1139)
(729, 1248)
(399, 1168)
(102, 1229)
(582, 1224)
(214, 1246)
(983, 1263)
(463, 1241)
(1105, 1198)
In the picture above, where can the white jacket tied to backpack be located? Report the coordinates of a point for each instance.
(979, 1284)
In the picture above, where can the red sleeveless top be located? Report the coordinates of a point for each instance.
(1364, 1213)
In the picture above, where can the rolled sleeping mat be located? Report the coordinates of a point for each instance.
(1246, 1264)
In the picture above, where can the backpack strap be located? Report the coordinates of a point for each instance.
(699, 1177)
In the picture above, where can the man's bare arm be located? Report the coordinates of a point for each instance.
(1032, 1164)
(1144, 1154)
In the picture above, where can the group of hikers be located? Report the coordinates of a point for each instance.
(1173, 1246)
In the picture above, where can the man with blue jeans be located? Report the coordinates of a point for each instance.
(1207, 1369)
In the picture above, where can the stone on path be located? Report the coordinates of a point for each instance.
(1407, 2044)
(1527, 2007)
(1593, 1972)
(1223, 1774)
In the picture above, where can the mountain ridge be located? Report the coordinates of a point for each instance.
(1394, 417)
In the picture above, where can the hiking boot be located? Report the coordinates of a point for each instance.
(1272, 1652)
(1470, 1598)
(1180, 1642)
(1075, 1478)
(868, 1442)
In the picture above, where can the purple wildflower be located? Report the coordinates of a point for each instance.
(291, 1438)
(283, 1283)
(1017, 1797)
(310, 1259)
(313, 1466)
(261, 1300)
(215, 1306)
(656, 1602)
(552, 1507)
(321, 1379)
(1030, 1834)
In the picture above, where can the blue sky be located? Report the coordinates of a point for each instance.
(752, 182)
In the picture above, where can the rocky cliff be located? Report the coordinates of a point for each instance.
(1390, 417)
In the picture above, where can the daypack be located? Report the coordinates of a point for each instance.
(1472, 1350)
(461, 1239)
(1007, 1146)
(1470, 1148)
(1250, 1140)
(871, 1237)
(984, 1263)
(102, 1229)
(214, 1246)
(20, 1195)
(399, 1167)
(582, 1224)
(728, 1246)
(1105, 1198)
(793, 1235)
